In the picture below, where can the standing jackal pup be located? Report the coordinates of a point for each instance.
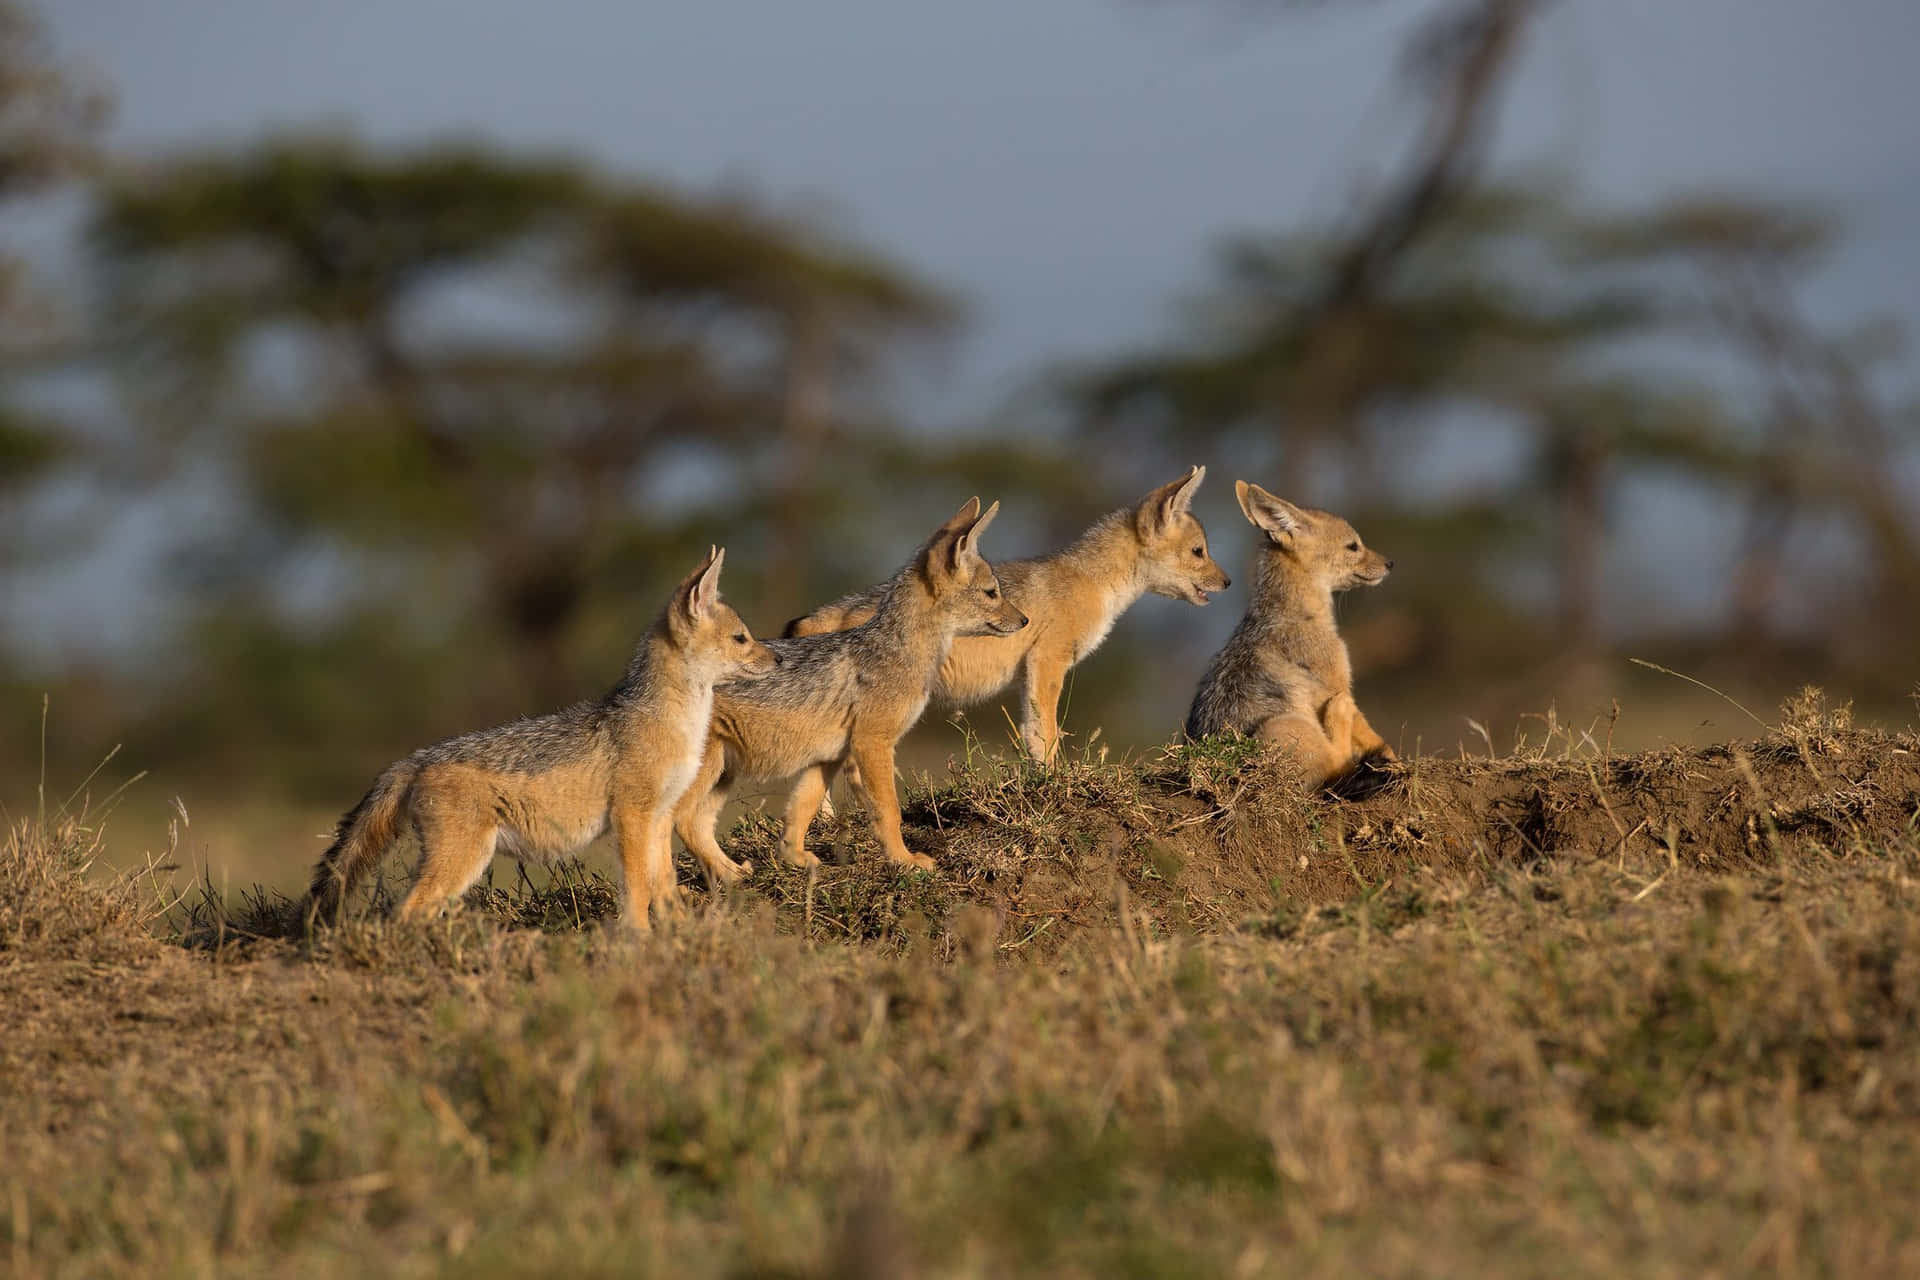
(1073, 596)
(541, 789)
(848, 697)
(1284, 676)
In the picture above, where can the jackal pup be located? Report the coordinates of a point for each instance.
(848, 697)
(1073, 597)
(1284, 676)
(542, 788)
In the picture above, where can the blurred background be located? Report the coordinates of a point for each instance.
(370, 371)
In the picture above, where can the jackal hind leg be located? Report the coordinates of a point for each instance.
(808, 797)
(458, 833)
(1302, 738)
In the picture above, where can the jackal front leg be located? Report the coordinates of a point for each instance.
(1366, 742)
(645, 836)
(1040, 725)
(698, 813)
(875, 758)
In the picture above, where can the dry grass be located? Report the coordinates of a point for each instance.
(1653, 1014)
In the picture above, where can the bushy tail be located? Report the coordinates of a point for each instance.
(364, 834)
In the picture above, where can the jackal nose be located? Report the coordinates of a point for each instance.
(1389, 564)
(1225, 582)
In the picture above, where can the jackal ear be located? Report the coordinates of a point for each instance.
(1276, 517)
(966, 547)
(958, 522)
(700, 593)
(1159, 509)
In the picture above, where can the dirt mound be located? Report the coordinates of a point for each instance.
(1212, 835)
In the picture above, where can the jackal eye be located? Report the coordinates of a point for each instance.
(1353, 546)
(1199, 553)
(740, 637)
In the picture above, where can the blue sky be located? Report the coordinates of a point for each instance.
(1061, 163)
(1064, 165)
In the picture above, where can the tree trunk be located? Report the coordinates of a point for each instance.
(1581, 466)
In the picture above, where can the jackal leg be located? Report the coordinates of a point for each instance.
(1040, 725)
(875, 758)
(644, 833)
(851, 772)
(1302, 737)
(1366, 742)
(808, 796)
(1337, 718)
(698, 813)
(457, 837)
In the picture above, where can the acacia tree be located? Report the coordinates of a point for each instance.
(821, 315)
(275, 311)
(1820, 443)
(524, 467)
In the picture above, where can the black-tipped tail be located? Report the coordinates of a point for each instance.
(366, 833)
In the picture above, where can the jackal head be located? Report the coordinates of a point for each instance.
(966, 594)
(1320, 543)
(706, 629)
(1173, 546)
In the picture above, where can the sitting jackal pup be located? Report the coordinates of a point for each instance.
(1284, 676)
(541, 789)
(1073, 597)
(848, 697)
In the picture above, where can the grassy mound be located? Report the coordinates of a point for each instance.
(51, 907)
(1568, 1013)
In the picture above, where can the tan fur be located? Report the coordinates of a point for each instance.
(1073, 597)
(846, 698)
(1285, 676)
(541, 789)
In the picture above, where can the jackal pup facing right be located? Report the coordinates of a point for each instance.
(1073, 598)
(1284, 676)
(543, 788)
(849, 696)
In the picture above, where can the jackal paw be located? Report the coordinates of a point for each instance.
(912, 861)
(800, 858)
(725, 873)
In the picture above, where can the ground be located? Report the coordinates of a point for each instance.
(1561, 1012)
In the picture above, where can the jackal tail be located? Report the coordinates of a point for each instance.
(368, 830)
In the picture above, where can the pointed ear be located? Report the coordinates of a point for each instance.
(1170, 501)
(939, 549)
(966, 547)
(957, 523)
(701, 591)
(1277, 517)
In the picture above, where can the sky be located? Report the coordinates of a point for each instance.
(1063, 165)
